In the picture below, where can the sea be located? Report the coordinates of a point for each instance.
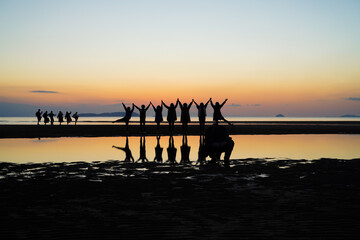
(150, 119)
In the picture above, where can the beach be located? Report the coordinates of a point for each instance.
(253, 199)
(273, 127)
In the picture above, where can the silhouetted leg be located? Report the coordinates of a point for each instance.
(228, 150)
(228, 122)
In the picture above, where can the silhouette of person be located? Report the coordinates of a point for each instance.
(128, 113)
(158, 115)
(60, 117)
(217, 141)
(128, 155)
(171, 150)
(171, 116)
(201, 155)
(46, 117)
(158, 151)
(202, 114)
(185, 150)
(142, 112)
(51, 115)
(185, 115)
(217, 112)
(68, 117)
(76, 117)
(142, 157)
(38, 115)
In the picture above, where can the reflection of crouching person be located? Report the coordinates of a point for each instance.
(217, 141)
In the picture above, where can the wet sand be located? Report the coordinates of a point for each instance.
(253, 199)
(35, 131)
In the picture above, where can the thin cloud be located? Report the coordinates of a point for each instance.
(235, 105)
(353, 99)
(253, 105)
(42, 91)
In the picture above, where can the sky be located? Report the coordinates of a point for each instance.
(297, 58)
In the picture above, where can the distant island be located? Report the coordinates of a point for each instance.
(110, 114)
(280, 115)
(350, 115)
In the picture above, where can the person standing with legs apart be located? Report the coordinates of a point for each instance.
(202, 114)
(142, 112)
(185, 115)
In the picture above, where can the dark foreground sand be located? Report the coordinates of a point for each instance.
(253, 199)
(301, 127)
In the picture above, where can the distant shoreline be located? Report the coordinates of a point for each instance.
(239, 128)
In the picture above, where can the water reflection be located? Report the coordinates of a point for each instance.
(128, 155)
(185, 150)
(171, 150)
(89, 149)
(142, 157)
(158, 151)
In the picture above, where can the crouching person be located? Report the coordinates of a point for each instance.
(217, 141)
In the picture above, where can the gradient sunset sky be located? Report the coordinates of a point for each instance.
(298, 58)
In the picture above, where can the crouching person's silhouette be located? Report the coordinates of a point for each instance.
(217, 141)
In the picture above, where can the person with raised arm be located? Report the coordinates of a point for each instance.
(202, 114)
(217, 112)
(126, 118)
(142, 112)
(185, 115)
(171, 116)
(158, 115)
(38, 116)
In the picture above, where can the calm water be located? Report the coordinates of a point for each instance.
(150, 119)
(246, 146)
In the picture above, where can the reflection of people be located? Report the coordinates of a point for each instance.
(217, 141)
(185, 150)
(202, 114)
(51, 115)
(142, 112)
(38, 116)
(158, 151)
(126, 149)
(75, 116)
(185, 115)
(60, 117)
(217, 112)
(201, 155)
(46, 117)
(171, 116)
(126, 118)
(142, 157)
(158, 115)
(171, 150)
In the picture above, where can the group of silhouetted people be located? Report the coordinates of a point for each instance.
(172, 116)
(49, 117)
